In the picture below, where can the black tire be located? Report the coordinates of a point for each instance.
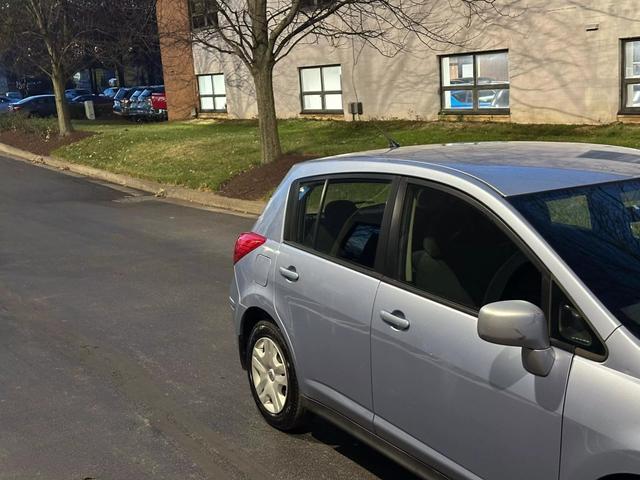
(292, 415)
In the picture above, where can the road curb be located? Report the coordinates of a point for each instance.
(207, 199)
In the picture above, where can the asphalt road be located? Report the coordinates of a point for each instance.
(117, 352)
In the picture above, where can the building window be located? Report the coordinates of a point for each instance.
(476, 83)
(312, 5)
(631, 76)
(204, 14)
(321, 89)
(213, 94)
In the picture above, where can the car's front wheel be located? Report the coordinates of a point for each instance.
(273, 379)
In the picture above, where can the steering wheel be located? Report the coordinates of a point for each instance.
(502, 276)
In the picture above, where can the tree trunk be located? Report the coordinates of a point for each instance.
(119, 69)
(267, 122)
(64, 119)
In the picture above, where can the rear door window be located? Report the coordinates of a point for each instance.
(342, 218)
(309, 197)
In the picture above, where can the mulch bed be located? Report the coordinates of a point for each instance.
(256, 183)
(36, 144)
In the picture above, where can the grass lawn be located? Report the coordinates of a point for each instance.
(204, 154)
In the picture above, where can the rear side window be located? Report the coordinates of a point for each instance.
(452, 250)
(341, 218)
(309, 198)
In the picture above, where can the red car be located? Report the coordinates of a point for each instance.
(159, 104)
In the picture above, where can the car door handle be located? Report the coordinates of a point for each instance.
(289, 273)
(395, 319)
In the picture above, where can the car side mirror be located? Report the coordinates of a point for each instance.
(519, 324)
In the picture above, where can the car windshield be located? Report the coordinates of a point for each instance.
(596, 231)
(121, 93)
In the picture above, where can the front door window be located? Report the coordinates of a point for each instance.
(455, 253)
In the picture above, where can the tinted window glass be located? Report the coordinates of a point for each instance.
(454, 251)
(567, 324)
(351, 218)
(121, 93)
(309, 198)
(599, 240)
(345, 223)
(570, 211)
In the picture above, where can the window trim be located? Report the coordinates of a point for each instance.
(313, 5)
(563, 343)
(322, 92)
(213, 95)
(292, 213)
(391, 268)
(624, 82)
(476, 110)
(206, 13)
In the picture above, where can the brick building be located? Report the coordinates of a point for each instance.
(557, 61)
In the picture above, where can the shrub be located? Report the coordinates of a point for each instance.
(45, 128)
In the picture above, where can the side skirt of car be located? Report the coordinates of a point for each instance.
(415, 466)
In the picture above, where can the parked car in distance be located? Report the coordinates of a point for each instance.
(72, 93)
(110, 92)
(159, 105)
(97, 99)
(143, 108)
(4, 104)
(36, 106)
(121, 99)
(14, 96)
(471, 310)
(129, 107)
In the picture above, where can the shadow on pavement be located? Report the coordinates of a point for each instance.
(377, 464)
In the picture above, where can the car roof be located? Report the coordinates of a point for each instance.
(35, 97)
(514, 168)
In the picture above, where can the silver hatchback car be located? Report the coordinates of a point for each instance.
(472, 311)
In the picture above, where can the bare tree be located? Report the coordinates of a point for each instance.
(128, 36)
(263, 32)
(62, 37)
(55, 36)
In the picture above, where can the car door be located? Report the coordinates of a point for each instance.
(50, 106)
(35, 107)
(326, 285)
(441, 393)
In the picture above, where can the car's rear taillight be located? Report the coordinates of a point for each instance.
(247, 242)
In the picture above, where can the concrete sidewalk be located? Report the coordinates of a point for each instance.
(206, 199)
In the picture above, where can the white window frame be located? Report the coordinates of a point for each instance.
(474, 87)
(626, 81)
(322, 92)
(213, 95)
